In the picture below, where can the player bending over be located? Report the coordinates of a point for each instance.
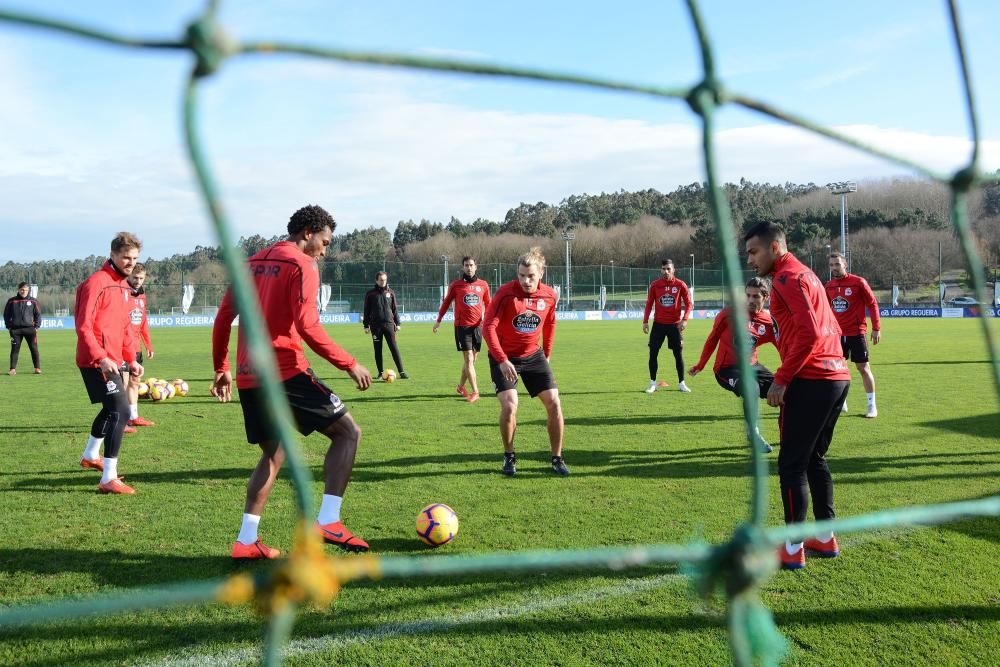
(286, 277)
(522, 311)
(471, 295)
(759, 328)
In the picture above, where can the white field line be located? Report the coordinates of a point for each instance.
(251, 653)
(301, 647)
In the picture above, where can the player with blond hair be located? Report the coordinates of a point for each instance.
(522, 312)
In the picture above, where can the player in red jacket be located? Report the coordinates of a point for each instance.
(140, 330)
(471, 296)
(105, 350)
(522, 311)
(850, 296)
(810, 385)
(286, 277)
(759, 329)
(672, 301)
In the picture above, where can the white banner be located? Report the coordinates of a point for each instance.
(691, 291)
(942, 289)
(604, 298)
(323, 298)
(558, 289)
(33, 291)
(187, 298)
(895, 295)
(996, 293)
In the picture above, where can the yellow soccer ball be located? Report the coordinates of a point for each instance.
(171, 390)
(437, 524)
(181, 386)
(143, 389)
(157, 392)
(389, 375)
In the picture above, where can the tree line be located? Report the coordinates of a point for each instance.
(632, 229)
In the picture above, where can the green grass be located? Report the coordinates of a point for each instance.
(645, 469)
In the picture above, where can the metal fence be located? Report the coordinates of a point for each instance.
(420, 287)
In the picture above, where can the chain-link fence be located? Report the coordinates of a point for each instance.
(420, 287)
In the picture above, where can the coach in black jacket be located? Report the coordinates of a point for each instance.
(22, 317)
(381, 319)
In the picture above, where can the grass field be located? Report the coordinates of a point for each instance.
(645, 469)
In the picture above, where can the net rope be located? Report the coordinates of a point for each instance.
(736, 569)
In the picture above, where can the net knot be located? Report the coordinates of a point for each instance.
(705, 96)
(210, 45)
(964, 179)
(307, 576)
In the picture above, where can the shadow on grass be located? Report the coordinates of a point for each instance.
(987, 425)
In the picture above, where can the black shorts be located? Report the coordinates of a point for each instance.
(101, 386)
(468, 338)
(855, 348)
(139, 357)
(534, 371)
(314, 407)
(729, 379)
(670, 332)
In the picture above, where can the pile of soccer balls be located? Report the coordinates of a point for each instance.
(160, 390)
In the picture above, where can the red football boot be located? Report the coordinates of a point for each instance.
(256, 551)
(336, 533)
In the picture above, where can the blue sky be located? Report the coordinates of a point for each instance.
(92, 141)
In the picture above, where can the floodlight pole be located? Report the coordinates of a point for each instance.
(843, 188)
(612, 280)
(829, 271)
(444, 258)
(568, 236)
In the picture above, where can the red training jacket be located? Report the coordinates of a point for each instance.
(669, 297)
(138, 319)
(102, 319)
(515, 320)
(759, 327)
(287, 282)
(849, 296)
(471, 300)
(807, 333)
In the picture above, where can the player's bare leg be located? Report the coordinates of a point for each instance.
(508, 418)
(553, 408)
(469, 369)
(248, 545)
(262, 479)
(868, 379)
(556, 428)
(345, 435)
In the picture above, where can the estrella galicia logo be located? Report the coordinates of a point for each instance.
(136, 316)
(471, 299)
(526, 322)
(839, 304)
(668, 300)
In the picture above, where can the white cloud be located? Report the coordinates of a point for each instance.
(394, 157)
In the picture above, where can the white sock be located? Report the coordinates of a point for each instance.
(329, 510)
(93, 449)
(792, 549)
(843, 408)
(652, 383)
(110, 470)
(248, 531)
(133, 410)
(825, 537)
(871, 400)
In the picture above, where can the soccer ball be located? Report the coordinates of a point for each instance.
(143, 389)
(389, 375)
(181, 386)
(171, 390)
(157, 392)
(437, 524)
